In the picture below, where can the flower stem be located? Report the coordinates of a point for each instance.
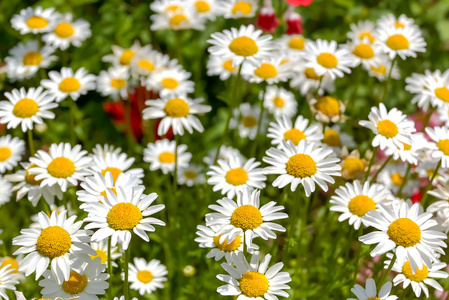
(387, 81)
(175, 171)
(109, 269)
(427, 119)
(31, 142)
(385, 274)
(404, 180)
(125, 270)
(357, 253)
(371, 163)
(424, 198)
(73, 139)
(259, 125)
(294, 219)
(380, 169)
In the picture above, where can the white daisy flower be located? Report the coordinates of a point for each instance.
(236, 175)
(116, 163)
(101, 249)
(13, 264)
(383, 69)
(219, 66)
(293, 45)
(235, 9)
(226, 152)
(245, 43)
(35, 20)
(284, 130)
(11, 151)
(58, 240)
(364, 53)
(147, 61)
(352, 166)
(103, 150)
(122, 56)
(245, 218)
(427, 167)
(254, 280)
(208, 9)
(272, 70)
(392, 176)
(417, 84)
(163, 6)
(411, 152)
(370, 291)
(162, 155)
(353, 201)
(245, 119)
(306, 80)
(302, 164)
(406, 232)
(5, 191)
(7, 281)
(26, 108)
(336, 139)
(146, 277)
(391, 21)
(119, 298)
(362, 30)
(67, 32)
(436, 87)
(187, 18)
(176, 112)
(119, 214)
(191, 175)
(279, 102)
(441, 206)
(439, 144)
(114, 82)
(327, 109)
(171, 81)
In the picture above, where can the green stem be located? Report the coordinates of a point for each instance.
(125, 270)
(385, 274)
(109, 269)
(357, 253)
(371, 163)
(424, 198)
(427, 119)
(294, 219)
(129, 130)
(31, 142)
(380, 169)
(387, 81)
(175, 172)
(178, 38)
(404, 180)
(73, 138)
(259, 126)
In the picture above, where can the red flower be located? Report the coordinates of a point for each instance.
(266, 20)
(416, 196)
(299, 2)
(294, 24)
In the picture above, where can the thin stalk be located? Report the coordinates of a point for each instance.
(31, 142)
(380, 169)
(73, 138)
(109, 269)
(129, 130)
(371, 163)
(424, 198)
(385, 274)
(175, 172)
(259, 126)
(357, 252)
(404, 180)
(387, 81)
(294, 219)
(427, 119)
(125, 270)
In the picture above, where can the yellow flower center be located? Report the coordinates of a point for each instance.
(61, 167)
(249, 121)
(301, 166)
(397, 179)
(443, 146)
(64, 30)
(13, 264)
(76, 283)
(144, 276)
(442, 93)
(176, 108)
(126, 57)
(101, 254)
(114, 171)
(360, 205)
(278, 102)
(146, 65)
(327, 60)
(124, 216)
(294, 135)
(69, 84)
(380, 70)
(404, 232)
(332, 138)
(167, 157)
(296, 43)
(397, 42)
(202, 6)
(353, 166)
(227, 65)
(173, 8)
(53, 241)
(399, 25)
(243, 7)
(328, 106)
(103, 193)
(190, 175)
(407, 146)
(30, 178)
(237, 176)
(419, 275)
(36, 22)
(243, 46)
(387, 128)
(5, 153)
(32, 58)
(266, 71)
(373, 298)
(246, 217)
(363, 51)
(118, 83)
(225, 247)
(169, 83)
(310, 74)
(367, 34)
(177, 19)
(253, 284)
(25, 108)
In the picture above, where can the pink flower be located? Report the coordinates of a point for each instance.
(299, 2)
(266, 20)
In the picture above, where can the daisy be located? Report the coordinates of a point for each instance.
(306, 80)
(7, 281)
(418, 84)
(427, 167)
(246, 119)
(362, 30)
(279, 102)
(176, 113)
(370, 292)
(326, 58)
(58, 240)
(391, 21)
(119, 214)
(68, 32)
(352, 166)
(253, 280)
(436, 86)
(226, 152)
(191, 175)
(146, 61)
(301, 164)
(336, 139)
(5, 191)
(163, 6)
(406, 232)
(114, 82)
(354, 201)
(146, 277)
(293, 45)
(161, 155)
(66, 83)
(62, 165)
(103, 150)
(327, 109)
(383, 69)
(440, 145)
(245, 218)
(392, 176)
(122, 56)
(116, 163)
(284, 130)
(364, 53)
(392, 128)
(171, 81)
(219, 66)
(411, 152)
(86, 280)
(442, 194)
(235, 9)
(187, 18)
(273, 70)
(20, 296)
(11, 151)
(26, 108)
(208, 9)
(242, 44)
(101, 249)
(35, 20)
(236, 175)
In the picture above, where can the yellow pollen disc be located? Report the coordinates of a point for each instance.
(30, 178)
(278, 102)
(399, 25)
(173, 8)
(32, 58)
(397, 42)
(25, 108)
(103, 193)
(368, 35)
(327, 60)
(118, 83)
(243, 46)
(296, 43)
(407, 146)
(373, 298)
(36, 22)
(397, 179)
(249, 121)
(387, 128)
(301, 166)
(266, 71)
(243, 7)
(144, 276)
(13, 264)
(114, 171)
(202, 6)
(101, 254)
(190, 174)
(169, 83)
(360, 205)
(76, 283)
(126, 57)
(146, 65)
(176, 20)
(442, 93)
(363, 51)
(53, 241)
(294, 135)
(227, 65)
(310, 74)
(64, 30)
(443, 146)
(246, 217)
(69, 84)
(61, 167)
(253, 284)
(237, 176)
(353, 166)
(167, 157)
(332, 138)
(124, 216)
(225, 247)
(176, 108)
(380, 70)
(328, 106)
(5, 153)
(419, 275)
(404, 232)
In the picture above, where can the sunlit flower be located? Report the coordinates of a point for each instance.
(116, 163)
(364, 53)
(370, 291)
(7, 281)
(162, 155)
(392, 176)
(279, 102)
(337, 139)
(352, 166)
(5, 191)
(391, 21)
(179, 19)
(114, 82)
(147, 61)
(219, 66)
(208, 9)
(271, 71)
(284, 130)
(101, 249)
(226, 152)
(191, 175)
(306, 80)
(235, 9)
(146, 277)
(411, 152)
(35, 20)
(436, 87)
(171, 81)
(327, 109)
(246, 119)
(122, 56)
(361, 31)
(293, 45)
(440, 145)
(11, 151)
(67, 32)
(418, 84)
